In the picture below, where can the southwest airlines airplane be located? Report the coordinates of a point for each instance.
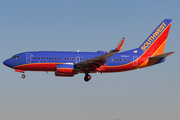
(68, 64)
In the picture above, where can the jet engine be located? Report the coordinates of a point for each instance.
(65, 70)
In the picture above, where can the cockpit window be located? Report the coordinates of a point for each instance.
(15, 57)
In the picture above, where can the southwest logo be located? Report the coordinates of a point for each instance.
(153, 36)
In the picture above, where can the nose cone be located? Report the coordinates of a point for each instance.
(7, 63)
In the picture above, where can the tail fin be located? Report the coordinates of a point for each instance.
(155, 43)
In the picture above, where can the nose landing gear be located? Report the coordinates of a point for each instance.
(21, 71)
(23, 76)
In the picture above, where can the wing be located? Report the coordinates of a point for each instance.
(96, 62)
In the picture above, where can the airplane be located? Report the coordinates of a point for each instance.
(68, 64)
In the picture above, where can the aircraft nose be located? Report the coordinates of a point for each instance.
(7, 62)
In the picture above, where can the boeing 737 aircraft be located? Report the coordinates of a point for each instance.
(68, 64)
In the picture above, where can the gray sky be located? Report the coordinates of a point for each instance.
(151, 93)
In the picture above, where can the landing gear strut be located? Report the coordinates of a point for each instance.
(87, 77)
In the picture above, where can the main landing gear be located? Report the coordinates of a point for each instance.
(87, 77)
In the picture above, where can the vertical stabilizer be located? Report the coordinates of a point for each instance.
(155, 43)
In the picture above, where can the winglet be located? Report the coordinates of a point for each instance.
(119, 46)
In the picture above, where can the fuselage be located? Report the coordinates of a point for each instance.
(48, 60)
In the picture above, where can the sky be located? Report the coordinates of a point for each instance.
(151, 93)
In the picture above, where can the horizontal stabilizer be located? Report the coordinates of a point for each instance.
(162, 55)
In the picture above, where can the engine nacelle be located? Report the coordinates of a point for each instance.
(65, 70)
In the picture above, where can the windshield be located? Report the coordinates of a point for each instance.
(15, 57)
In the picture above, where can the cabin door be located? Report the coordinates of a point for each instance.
(28, 58)
(135, 60)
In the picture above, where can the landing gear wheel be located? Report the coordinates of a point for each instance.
(87, 77)
(23, 76)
